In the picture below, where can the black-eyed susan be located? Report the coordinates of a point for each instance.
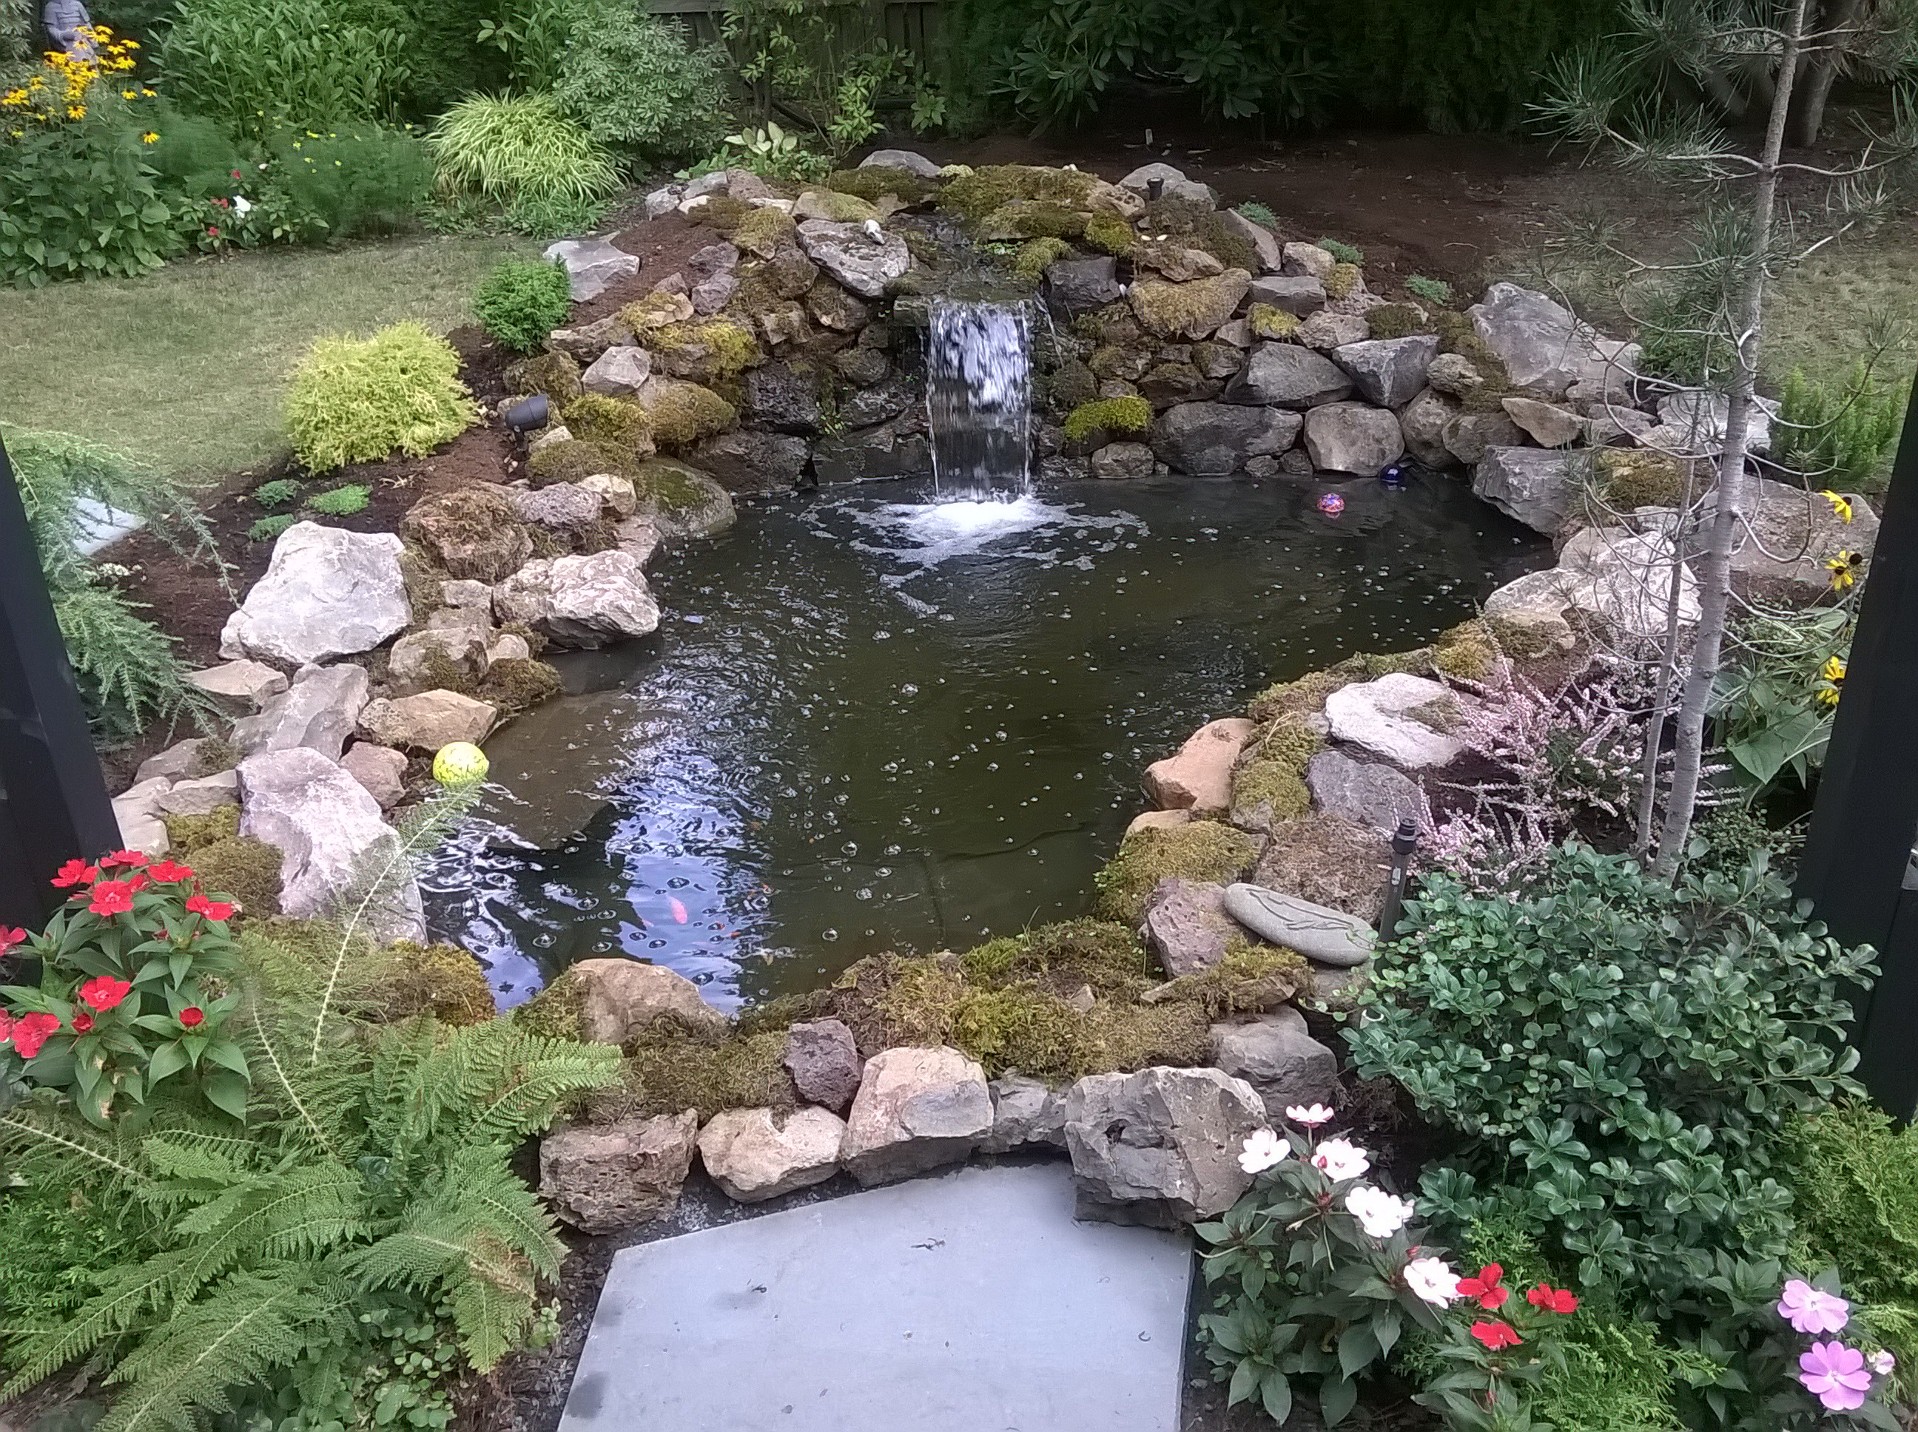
(150, 137)
(1840, 505)
(1844, 570)
(1831, 681)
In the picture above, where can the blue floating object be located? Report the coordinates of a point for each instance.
(1393, 476)
(1331, 504)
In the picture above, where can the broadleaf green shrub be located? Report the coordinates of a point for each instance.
(361, 399)
(521, 301)
(512, 146)
(633, 83)
(1619, 1058)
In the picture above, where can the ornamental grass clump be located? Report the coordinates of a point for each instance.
(362, 399)
(519, 146)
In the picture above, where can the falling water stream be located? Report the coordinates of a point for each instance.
(979, 399)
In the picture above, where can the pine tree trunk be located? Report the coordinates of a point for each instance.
(1667, 664)
(1823, 62)
(1713, 568)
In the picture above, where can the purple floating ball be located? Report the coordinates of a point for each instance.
(1331, 504)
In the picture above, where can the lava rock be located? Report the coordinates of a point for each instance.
(823, 1059)
(1075, 286)
(602, 1178)
(1160, 1147)
(784, 399)
(327, 593)
(885, 451)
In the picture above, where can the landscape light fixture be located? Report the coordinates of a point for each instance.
(528, 415)
(1405, 840)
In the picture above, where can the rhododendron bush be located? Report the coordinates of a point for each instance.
(136, 973)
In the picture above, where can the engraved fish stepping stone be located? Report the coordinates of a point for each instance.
(1330, 937)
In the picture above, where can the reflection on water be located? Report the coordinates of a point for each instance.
(871, 723)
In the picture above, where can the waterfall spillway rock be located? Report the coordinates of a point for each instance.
(979, 399)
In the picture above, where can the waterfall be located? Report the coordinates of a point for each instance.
(979, 398)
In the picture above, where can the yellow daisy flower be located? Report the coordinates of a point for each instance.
(1844, 570)
(1840, 506)
(149, 138)
(1831, 681)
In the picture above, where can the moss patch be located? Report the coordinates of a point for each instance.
(712, 349)
(1111, 415)
(673, 1065)
(683, 413)
(1306, 696)
(441, 980)
(1202, 850)
(615, 423)
(1268, 321)
(1330, 861)
(992, 186)
(1457, 335)
(870, 181)
(1226, 244)
(1110, 234)
(1466, 652)
(577, 459)
(722, 212)
(554, 374)
(1063, 958)
(837, 207)
(189, 833)
(554, 1012)
(1269, 785)
(515, 684)
(1032, 219)
(1397, 320)
(765, 232)
(1035, 256)
(1628, 478)
(245, 870)
(655, 310)
(1342, 281)
(1249, 980)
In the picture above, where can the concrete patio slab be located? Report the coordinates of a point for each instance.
(966, 1303)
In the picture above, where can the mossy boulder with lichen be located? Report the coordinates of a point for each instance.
(674, 1064)
(577, 459)
(1035, 256)
(619, 424)
(871, 181)
(681, 412)
(1188, 310)
(1343, 281)
(1268, 321)
(682, 500)
(833, 206)
(1108, 415)
(244, 870)
(706, 351)
(441, 980)
(1201, 850)
(1466, 652)
(1628, 478)
(991, 187)
(721, 212)
(1268, 785)
(1031, 219)
(1397, 320)
(188, 833)
(1110, 234)
(554, 374)
(766, 232)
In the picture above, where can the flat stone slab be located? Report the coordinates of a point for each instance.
(957, 1304)
(1328, 937)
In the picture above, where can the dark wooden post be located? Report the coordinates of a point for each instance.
(53, 800)
(1858, 856)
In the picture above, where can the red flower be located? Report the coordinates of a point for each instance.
(1485, 1287)
(31, 1031)
(131, 858)
(167, 873)
(111, 897)
(75, 872)
(213, 229)
(82, 1024)
(238, 175)
(193, 1016)
(222, 203)
(1496, 1335)
(104, 992)
(10, 938)
(138, 881)
(1552, 1300)
(212, 909)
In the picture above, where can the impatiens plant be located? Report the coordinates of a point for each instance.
(135, 975)
(1318, 1274)
(1497, 1349)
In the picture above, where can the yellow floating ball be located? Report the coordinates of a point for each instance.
(460, 763)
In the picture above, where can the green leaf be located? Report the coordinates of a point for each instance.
(1337, 1397)
(227, 1092)
(169, 1059)
(1275, 1395)
(1357, 1348)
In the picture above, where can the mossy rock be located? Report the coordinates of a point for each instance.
(871, 181)
(441, 980)
(683, 501)
(1032, 219)
(839, 208)
(554, 1012)
(571, 461)
(1108, 415)
(707, 351)
(1457, 335)
(1330, 861)
(1397, 320)
(722, 212)
(1306, 695)
(975, 195)
(245, 870)
(1176, 214)
(1063, 958)
(554, 374)
(674, 1065)
(1216, 235)
(1343, 281)
(1035, 256)
(1071, 384)
(1269, 784)
(1268, 321)
(655, 310)
(681, 413)
(515, 684)
(1250, 979)
(766, 232)
(1202, 850)
(1110, 234)
(189, 833)
(1466, 652)
(1629, 478)
(616, 423)
(1188, 310)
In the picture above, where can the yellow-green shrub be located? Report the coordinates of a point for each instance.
(361, 399)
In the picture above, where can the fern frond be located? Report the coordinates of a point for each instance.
(25, 1129)
(304, 1211)
(185, 1156)
(251, 1324)
(143, 1289)
(492, 1316)
(541, 1075)
(478, 1191)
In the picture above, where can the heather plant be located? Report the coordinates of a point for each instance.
(358, 400)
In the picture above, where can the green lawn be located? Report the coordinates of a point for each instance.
(185, 367)
(1821, 315)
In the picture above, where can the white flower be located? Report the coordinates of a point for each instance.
(1262, 1151)
(1882, 1363)
(1308, 1116)
(242, 205)
(1378, 1212)
(1340, 1159)
(1431, 1281)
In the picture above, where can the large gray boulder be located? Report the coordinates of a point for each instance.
(618, 371)
(1301, 295)
(851, 255)
(1541, 343)
(910, 160)
(1537, 486)
(333, 844)
(1081, 285)
(889, 450)
(1468, 435)
(602, 1178)
(1364, 791)
(318, 711)
(1353, 437)
(682, 501)
(592, 265)
(823, 1059)
(1214, 439)
(1160, 1147)
(327, 593)
(239, 685)
(580, 601)
(917, 1110)
(1788, 535)
(1277, 1057)
(1389, 716)
(746, 461)
(1025, 1115)
(620, 997)
(1186, 925)
(756, 1154)
(1323, 935)
(423, 660)
(1611, 575)
(1388, 371)
(1546, 424)
(1422, 422)
(1284, 375)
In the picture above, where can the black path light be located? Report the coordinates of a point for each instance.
(53, 799)
(1857, 865)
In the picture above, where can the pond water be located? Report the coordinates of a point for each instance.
(872, 722)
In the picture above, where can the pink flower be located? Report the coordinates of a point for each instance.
(1810, 1311)
(111, 897)
(31, 1031)
(10, 938)
(1308, 1116)
(1835, 1375)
